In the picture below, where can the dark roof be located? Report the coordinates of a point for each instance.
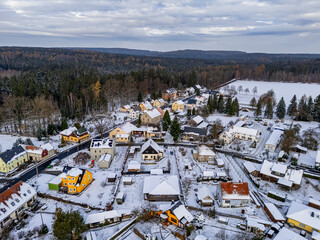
(136, 108)
(9, 154)
(200, 131)
(192, 101)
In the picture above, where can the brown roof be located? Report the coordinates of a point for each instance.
(240, 188)
(31, 148)
(7, 194)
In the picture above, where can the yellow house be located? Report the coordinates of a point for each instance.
(75, 179)
(158, 103)
(12, 158)
(145, 106)
(75, 135)
(178, 105)
(176, 214)
(122, 133)
(304, 217)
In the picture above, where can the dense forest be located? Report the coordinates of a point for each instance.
(44, 84)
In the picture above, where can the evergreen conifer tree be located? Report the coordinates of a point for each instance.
(281, 109)
(292, 108)
(175, 129)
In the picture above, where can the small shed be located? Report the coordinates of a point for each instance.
(120, 197)
(127, 180)
(134, 166)
(273, 212)
(220, 162)
(156, 171)
(104, 161)
(54, 184)
(223, 220)
(112, 177)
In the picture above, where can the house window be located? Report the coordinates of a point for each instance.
(65, 184)
(69, 184)
(74, 189)
(74, 184)
(12, 203)
(90, 180)
(72, 179)
(29, 191)
(227, 201)
(174, 220)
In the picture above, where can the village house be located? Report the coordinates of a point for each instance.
(123, 133)
(205, 197)
(304, 217)
(154, 133)
(125, 108)
(170, 94)
(158, 103)
(14, 201)
(192, 104)
(196, 121)
(150, 150)
(252, 169)
(75, 135)
(176, 214)
(112, 216)
(233, 194)
(178, 106)
(204, 153)
(273, 140)
(279, 173)
(161, 188)
(13, 158)
(73, 179)
(194, 134)
(41, 153)
(100, 149)
(273, 212)
(134, 114)
(145, 106)
(151, 117)
(242, 133)
(286, 233)
(256, 225)
(314, 203)
(189, 91)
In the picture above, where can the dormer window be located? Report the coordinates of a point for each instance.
(17, 200)
(29, 191)
(3, 210)
(12, 203)
(24, 194)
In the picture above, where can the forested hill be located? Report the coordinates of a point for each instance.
(77, 82)
(209, 55)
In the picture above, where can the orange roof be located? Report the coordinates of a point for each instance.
(7, 194)
(31, 148)
(161, 111)
(240, 188)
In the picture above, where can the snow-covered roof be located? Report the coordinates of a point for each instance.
(221, 174)
(126, 107)
(56, 180)
(153, 144)
(126, 179)
(147, 105)
(161, 185)
(204, 150)
(315, 235)
(128, 127)
(156, 171)
(285, 182)
(251, 167)
(300, 148)
(68, 131)
(244, 130)
(294, 176)
(14, 198)
(198, 119)
(200, 237)
(102, 143)
(134, 165)
(274, 138)
(314, 201)
(105, 158)
(304, 214)
(204, 193)
(47, 146)
(12, 154)
(153, 113)
(220, 161)
(318, 157)
(181, 212)
(230, 190)
(112, 175)
(180, 102)
(274, 211)
(208, 174)
(74, 172)
(288, 234)
(103, 216)
(278, 167)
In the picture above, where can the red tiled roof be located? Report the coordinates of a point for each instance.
(7, 194)
(240, 188)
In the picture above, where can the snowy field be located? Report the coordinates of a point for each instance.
(285, 90)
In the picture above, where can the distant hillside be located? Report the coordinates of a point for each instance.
(205, 55)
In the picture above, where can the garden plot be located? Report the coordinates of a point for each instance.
(97, 194)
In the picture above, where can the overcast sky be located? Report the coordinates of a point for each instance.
(247, 25)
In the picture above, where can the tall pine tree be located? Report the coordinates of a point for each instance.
(235, 107)
(220, 107)
(258, 109)
(166, 121)
(175, 129)
(269, 110)
(292, 108)
(228, 108)
(281, 109)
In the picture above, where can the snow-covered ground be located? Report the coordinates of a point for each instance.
(281, 89)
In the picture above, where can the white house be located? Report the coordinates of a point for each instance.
(14, 201)
(273, 140)
(112, 216)
(241, 133)
(161, 188)
(151, 150)
(233, 194)
(133, 114)
(205, 197)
